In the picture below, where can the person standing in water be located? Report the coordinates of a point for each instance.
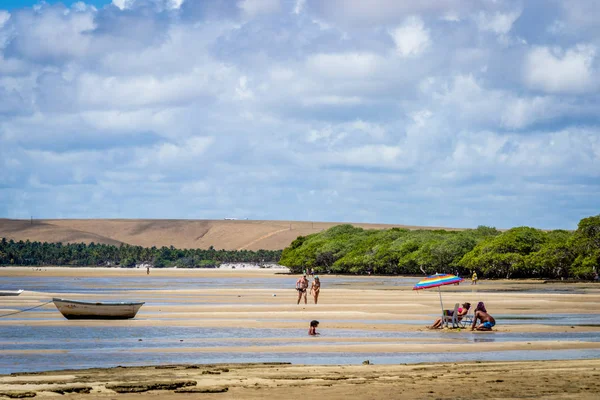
(315, 288)
(301, 286)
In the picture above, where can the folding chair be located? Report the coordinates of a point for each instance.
(452, 319)
(467, 319)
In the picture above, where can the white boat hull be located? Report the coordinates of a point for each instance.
(75, 309)
(11, 292)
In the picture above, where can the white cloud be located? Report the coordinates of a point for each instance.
(4, 16)
(521, 112)
(161, 98)
(344, 65)
(52, 34)
(554, 70)
(352, 12)
(411, 38)
(331, 100)
(122, 4)
(172, 155)
(299, 6)
(257, 7)
(369, 156)
(451, 17)
(125, 4)
(499, 23)
(281, 74)
(242, 92)
(373, 130)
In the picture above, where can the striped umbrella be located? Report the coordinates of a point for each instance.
(438, 280)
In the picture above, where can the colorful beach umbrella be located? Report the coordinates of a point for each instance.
(438, 280)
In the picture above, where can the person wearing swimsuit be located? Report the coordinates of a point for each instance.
(315, 289)
(301, 286)
(462, 311)
(481, 314)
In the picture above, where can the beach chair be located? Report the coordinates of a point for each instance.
(452, 319)
(467, 320)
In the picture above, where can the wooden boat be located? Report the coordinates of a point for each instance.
(75, 309)
(11, 292)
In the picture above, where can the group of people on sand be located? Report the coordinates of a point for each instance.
(302, 287)
(486, 321)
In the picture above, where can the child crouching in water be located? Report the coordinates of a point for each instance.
(312, 331)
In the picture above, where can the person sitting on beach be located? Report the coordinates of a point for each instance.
(315, 288)
(301, 286)
(312, 331)
(462, 311)
(481, 314)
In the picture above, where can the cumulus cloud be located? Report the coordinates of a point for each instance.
(331, 110)
(256, 7)
(355, 65)
(4, 16)
(555, 70)
(382, 11)
(411, 38)
(498, 22)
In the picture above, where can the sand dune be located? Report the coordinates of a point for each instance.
(221, 234)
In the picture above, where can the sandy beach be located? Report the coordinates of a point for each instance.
(358, 315)
(494, 380)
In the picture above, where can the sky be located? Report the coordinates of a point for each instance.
(439, 112)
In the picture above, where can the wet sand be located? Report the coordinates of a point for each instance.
(487, 380)
(361, 303)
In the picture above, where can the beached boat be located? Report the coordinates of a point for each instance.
(11, 292)
(75, 309)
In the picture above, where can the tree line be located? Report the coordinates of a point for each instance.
(97, 254)
(521, 252)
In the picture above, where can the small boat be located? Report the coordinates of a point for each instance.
(75, 309)
(11, 292)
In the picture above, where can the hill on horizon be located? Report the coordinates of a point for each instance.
(183, 234)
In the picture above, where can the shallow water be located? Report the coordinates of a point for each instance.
(55, 284)
(38, 348)
(86, 347)
(69, 338)
(91, 359)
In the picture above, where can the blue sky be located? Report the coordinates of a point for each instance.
(437, 112)
(16, 4)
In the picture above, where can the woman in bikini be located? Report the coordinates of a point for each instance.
(462, 311)
(315, 288)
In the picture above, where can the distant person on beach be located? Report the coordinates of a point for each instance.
(312, 272)
(474, 278)
(462, 311)
(315, 288)
(312, 331)
(301, 286)
(148, 270)
(481, 314)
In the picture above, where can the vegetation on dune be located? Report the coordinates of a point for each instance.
(521, 252)
(80, 254)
